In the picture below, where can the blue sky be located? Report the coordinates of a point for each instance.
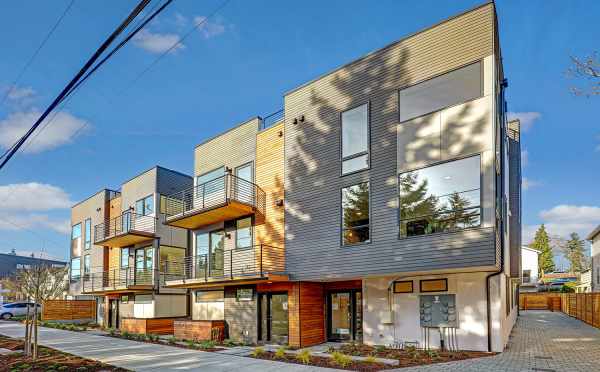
(238, 66)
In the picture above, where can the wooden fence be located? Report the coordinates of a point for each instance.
(583, 306)
(69, 310)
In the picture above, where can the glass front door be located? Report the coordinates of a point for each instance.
(344, 315)
(210, 254)
(273, 318)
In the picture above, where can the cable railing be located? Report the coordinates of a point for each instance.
(123, 224)
(213, 194)
(271, 119)
(255, 261)
(117, 279)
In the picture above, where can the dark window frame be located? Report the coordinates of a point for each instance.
(341, 145)
(445, 280)
(121, 258)
(78, 276)
(251, 233)
(143, 200)
(87, 241)
(341, 209)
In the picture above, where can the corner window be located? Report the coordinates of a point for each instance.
(458, 86)
(75, 268)
(124, 258)
(88, 233)
(145, 207)
(243, 234)
(355, 214)
(355, 139)
(444, 197)
(86, 264)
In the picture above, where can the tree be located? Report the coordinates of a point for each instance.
(415, 201)
(458, 213)
(541, 242)
(574, 252)
(588, 70)
(38, 283)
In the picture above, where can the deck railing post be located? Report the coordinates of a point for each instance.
(261, 260)
(231, 263)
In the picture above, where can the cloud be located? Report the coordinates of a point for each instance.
(33, 196)
(564, 219)
(180, 20)
(157, 42)
(16, 93)
(527, 183)
(524, 158)
(19, 222)
(527, 118)
(207, 28)
(58, 132)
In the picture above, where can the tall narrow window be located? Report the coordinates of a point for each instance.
(75, 268)
(355, 139)
(86, 264)
(124, 258)
(244, 190)
(355, 214)
(443, 197)
(76, 240)
(88, 233)
(243, 234)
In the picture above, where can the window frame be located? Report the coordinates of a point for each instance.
(71, 277)
(121, 258)
(341, 209)
(87, 264)
(223, 167)
(87, 244)
(481, 89)
(343, 158)
(244, 165)
(143, 200)
(73, 228)
(480, 155)
(251, 218)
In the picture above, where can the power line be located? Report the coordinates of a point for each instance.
(136, 11)
(37, 51)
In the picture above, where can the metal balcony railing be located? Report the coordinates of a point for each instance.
(213, 194)
(126, 223)
(255, 261)
(117, 279)
(271, 119)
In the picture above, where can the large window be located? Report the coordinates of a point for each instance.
(124, 258)
(86, 264)
(440, 198)
(144, 259)
(526, 276)
(210, 188)
(75, 268)
(243, 234)
(455, 87)
(88, 233)
(76, 240)
(355, 139)
(355, 214)
(145, 206)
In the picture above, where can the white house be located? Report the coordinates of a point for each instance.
(529, 267)
(585, 282)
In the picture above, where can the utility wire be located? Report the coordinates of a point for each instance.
(37, 51)
(134, 13)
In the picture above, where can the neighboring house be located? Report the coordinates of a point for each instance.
(120, 249)
(594, 238)
(11, 262)
(530, 269)
(387, 187)
(556, 280)
(585, 282)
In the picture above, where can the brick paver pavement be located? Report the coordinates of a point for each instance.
(541, 341)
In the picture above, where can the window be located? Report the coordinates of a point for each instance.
(88, 233)
(210, 188)
(144, 258)
(355, 214)
(124, 299)
(209, 176)
(76, 231)
(526, 276)
(86, 264)
(244, 192)
(458, 86)
(440, 198)
(76, 240)
(145, 207)
(244, 172)
(124, 258)
(75, 268)
(243, 234)
(355, 139)
(210, 296)
(172, 260)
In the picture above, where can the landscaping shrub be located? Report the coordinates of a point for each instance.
(370, 359)
(190, 344)
(172, 340)
(229, 342)
(207, 344)
(304, 356)
(341, 360)
(258, 351)
(280, 353)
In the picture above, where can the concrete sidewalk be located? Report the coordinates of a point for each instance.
(140, 356)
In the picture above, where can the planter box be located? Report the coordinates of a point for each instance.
(157, 326)
(199, 330)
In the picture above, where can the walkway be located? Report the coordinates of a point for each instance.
(541, 341)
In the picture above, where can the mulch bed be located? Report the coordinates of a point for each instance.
(48, 360)
(325, 362)
(177, 344)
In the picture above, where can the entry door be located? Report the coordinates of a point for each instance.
(210, 254)
(273, 318)
(113, 313)
(144, 263)
(344, 310)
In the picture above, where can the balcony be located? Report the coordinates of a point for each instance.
(224, 198)
(118, 280)
(254, 264)
(127, 229)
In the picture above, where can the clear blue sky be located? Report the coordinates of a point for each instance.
(239, 66)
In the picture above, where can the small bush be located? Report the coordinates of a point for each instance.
(370, 359)
(207, 344)
(380, 348)
(433, 354)
(190, 343)
(258, 351)
(341, 360)
(112, 331)
(280, 353)
(126, 334)
(304, 356)
(172, 340)
(62, 368)
(229, 342)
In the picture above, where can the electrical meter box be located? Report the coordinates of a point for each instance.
(438, 310)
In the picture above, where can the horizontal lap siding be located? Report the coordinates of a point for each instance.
(312, 147)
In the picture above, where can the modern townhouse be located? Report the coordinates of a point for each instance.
(119, 250)
(594, 238)
(383, 206)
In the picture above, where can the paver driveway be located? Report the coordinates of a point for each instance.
(540, 341)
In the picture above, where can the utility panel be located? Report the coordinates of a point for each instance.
(438, 310)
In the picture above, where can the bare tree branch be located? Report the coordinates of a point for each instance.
(588, 71)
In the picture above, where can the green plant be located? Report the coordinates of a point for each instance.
(370, 359)
(229, 342)
(190, 343)
(62, 368)
(257, 352)
(280, 353)
(341, 360)
(207, 344)
(172, 340)
(380, 348)
(304, 356)
(125, 334)
(432, 354)
(112, 331)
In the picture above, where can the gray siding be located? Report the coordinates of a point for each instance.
(169, 181)
(240, 316)
(312, 148)
(514, 159)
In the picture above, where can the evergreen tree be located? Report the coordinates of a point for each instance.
(458, 213)
(541, 242)
(574, 252)
(415, 201)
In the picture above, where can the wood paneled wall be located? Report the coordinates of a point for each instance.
(199, 330)
(69, 310)
(158, 326)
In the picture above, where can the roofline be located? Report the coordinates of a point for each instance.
(394, 43)
(530, 249)
(227, 130)
(174, 171)
(33, 258)
(593, 234)
(91, 196)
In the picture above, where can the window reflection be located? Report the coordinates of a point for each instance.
(355, 213)
(355, 137)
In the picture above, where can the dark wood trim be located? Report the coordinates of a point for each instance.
(445, 280)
